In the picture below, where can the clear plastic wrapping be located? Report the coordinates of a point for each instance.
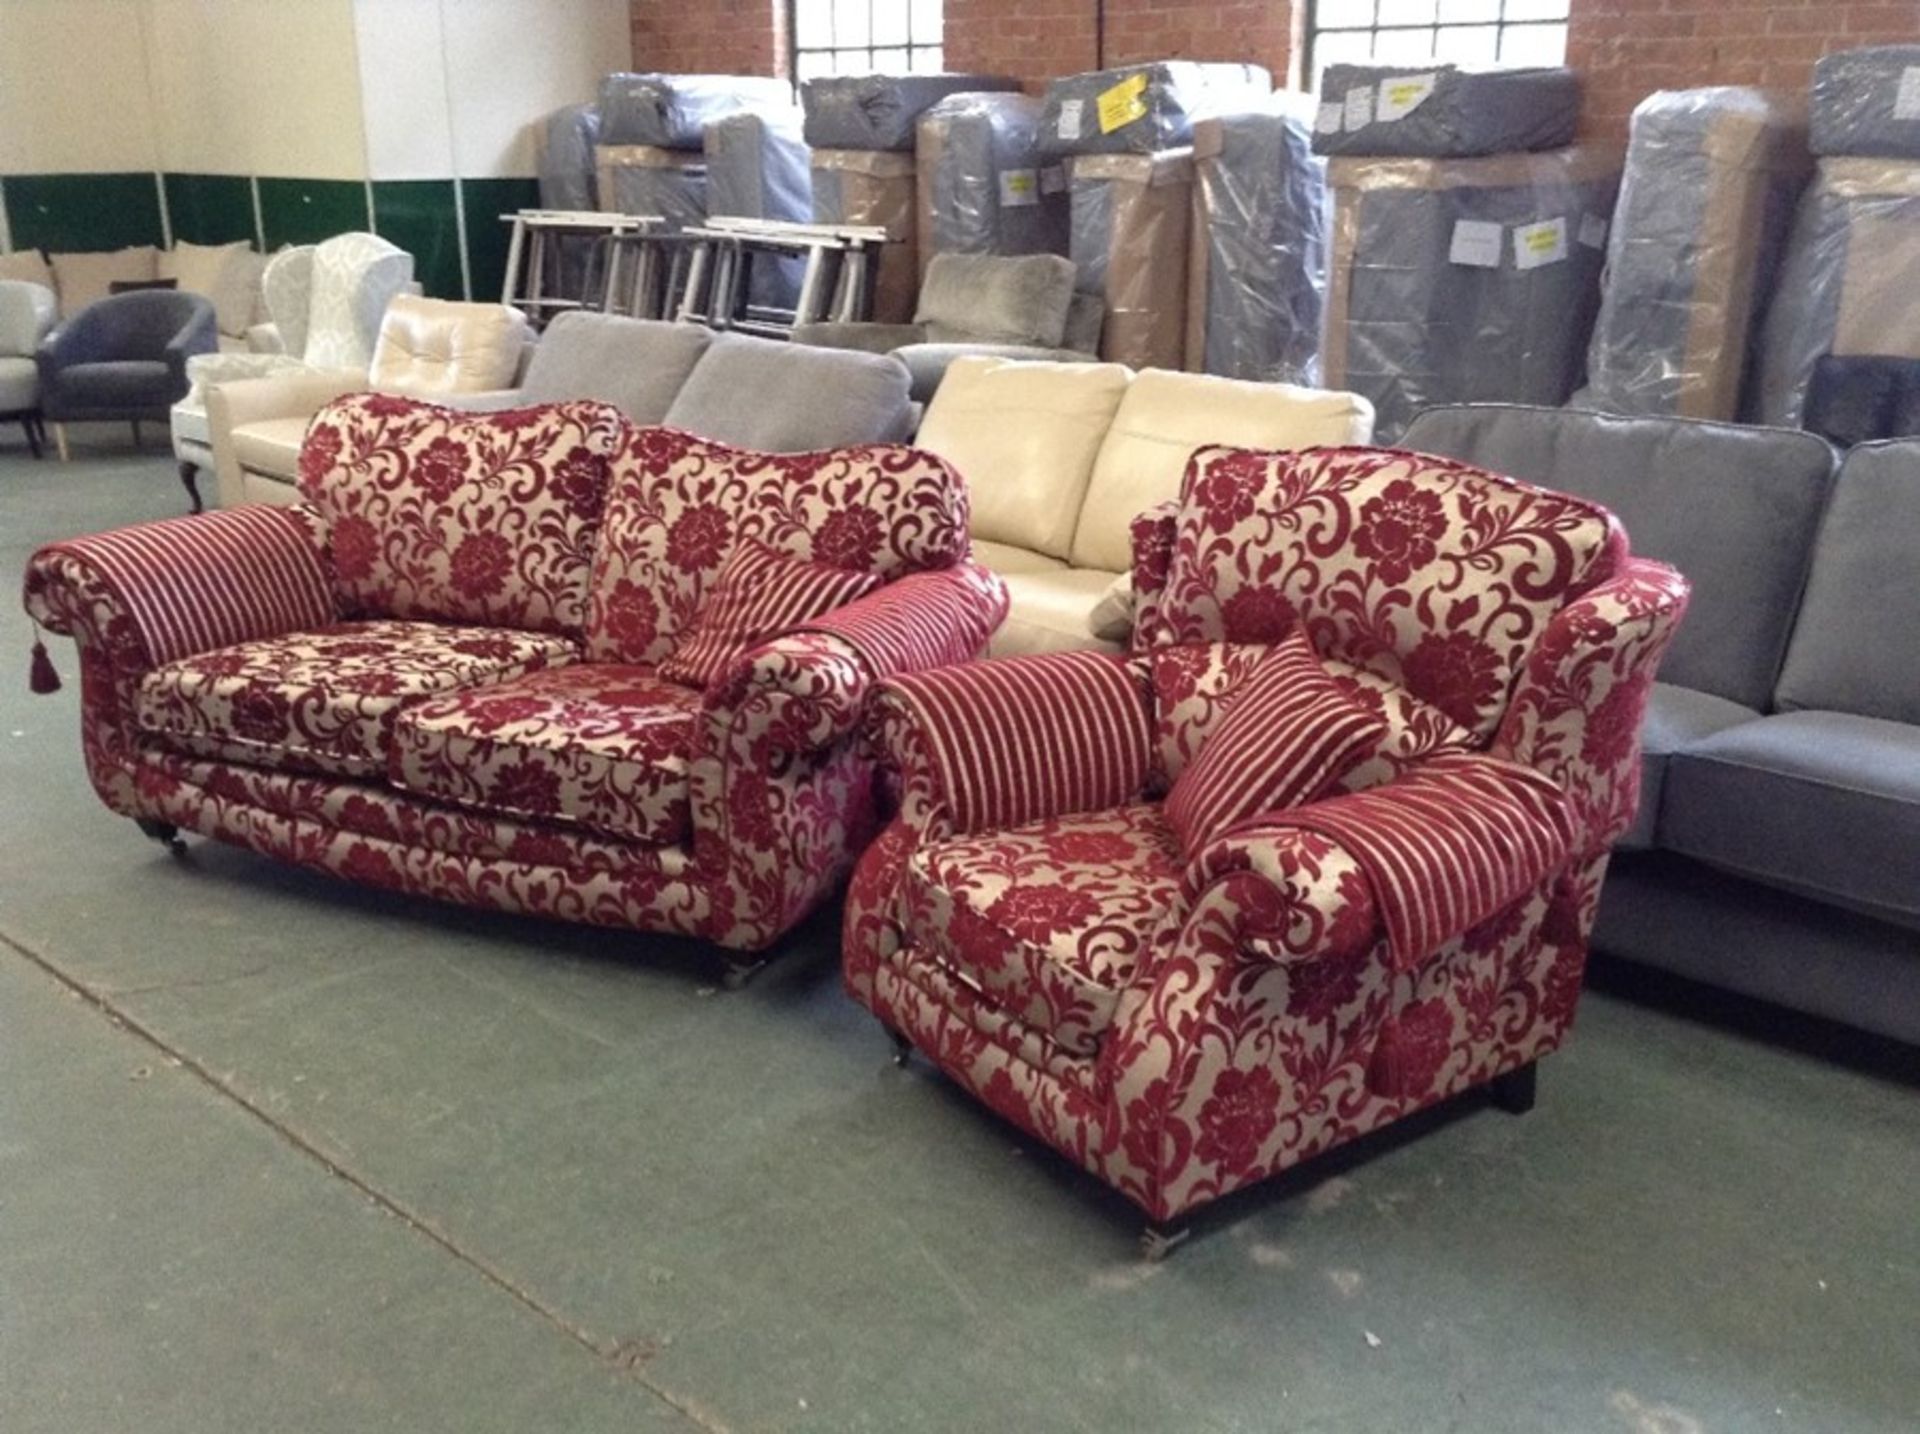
(566, 164)
(1464, 280)
(983, 186)
(1132, 222)
(1705, 205)
(1144, 109)
(1261, 214)
(758, 168)
(644, 179)
(1445, 111)
(880, 111)
(673, 111)
(1867, 103)
(874, 187)
(1847, 285)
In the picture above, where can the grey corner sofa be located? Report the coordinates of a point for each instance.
(1777, 851)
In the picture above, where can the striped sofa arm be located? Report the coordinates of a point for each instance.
(921, 621)
(994, 744)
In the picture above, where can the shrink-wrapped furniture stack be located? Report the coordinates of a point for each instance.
(651, 159)
(862, 129)
(1847, 307)
(1468, 236)
(1127, 136)
(1706, 201)
(983, 186)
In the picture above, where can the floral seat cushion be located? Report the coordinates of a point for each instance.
(1049, 921)
(596, 745)
(325, 700)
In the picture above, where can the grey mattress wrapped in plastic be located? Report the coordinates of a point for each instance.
(1143, 109)
(1132, 220)
(1262, 215)
(1867, 102)
(880, 111)
(566, 158)
(1705, 205)
(673, 111)
(758, 168)
(1464, 280)
(644, 179)
(983, 186)
(1848, 283)
(1444, 111)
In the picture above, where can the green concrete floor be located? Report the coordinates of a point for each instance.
(281, 1154)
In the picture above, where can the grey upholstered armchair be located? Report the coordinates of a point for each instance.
(1021, 306)
(124, 357)
(26, 313)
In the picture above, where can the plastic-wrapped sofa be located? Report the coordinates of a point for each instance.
(983, 186)
(1184, 997)
(1445, 111)
(673, 111)
(1146, 108)
(607, 675)
(1132, 224)
(880, 112)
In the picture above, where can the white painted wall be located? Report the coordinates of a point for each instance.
(74, 96)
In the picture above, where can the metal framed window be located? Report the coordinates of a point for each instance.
(863, 37)
(1465, 32)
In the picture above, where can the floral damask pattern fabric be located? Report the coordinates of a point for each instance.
(325, 701)
(488, 518)
(758, 596)
(594, 745)
(680, 504)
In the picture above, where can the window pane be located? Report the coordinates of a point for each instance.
(813, 23)
(812, 64)
(1338, 48)
(1536, 10)
(1346, 15)
(1406, 12)
(1403, 47)
(850, 19)
(1468, 44)
(1533, 45)
(1469, 11)
(928, 60)
(890, 62)
(889, 22)
(927, 24)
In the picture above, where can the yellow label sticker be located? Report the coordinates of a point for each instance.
(1123, 104)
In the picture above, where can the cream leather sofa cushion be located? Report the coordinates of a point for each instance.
(1051, 612)
(1165, 416)
(435, 346)
(271, 447)
(1024, 436)
(1003, 558)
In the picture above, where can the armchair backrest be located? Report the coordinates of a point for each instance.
(139, 324)
(1438, 577)
(26, 313)
(431, 347)
(679, 505)
(996, 298)
(327, 299)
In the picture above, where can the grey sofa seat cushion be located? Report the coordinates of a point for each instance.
(637, 365)
(996, 298)
(866, 337)
(792, 398)
(1824, 803)
(1677, 718)
(1735, 508)
(1853, 647)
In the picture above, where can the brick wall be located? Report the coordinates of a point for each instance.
(714, 37)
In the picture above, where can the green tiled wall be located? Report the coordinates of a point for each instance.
(419, 216)
(210, 208)
(486, 200)
(72, 213)
(305, 211)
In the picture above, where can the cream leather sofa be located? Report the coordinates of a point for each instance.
(1060, 457)
(428, 348)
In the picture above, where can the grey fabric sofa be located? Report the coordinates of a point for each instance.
(124, 357)
(1777, 852)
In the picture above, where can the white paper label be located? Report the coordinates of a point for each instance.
(1906, 99)
(1019, 188)
(1476, 243)
(1071, 114)
(1537, 244)
(1053, 179)
(1402, 95)
(1359, 107)
(1327, 119)
(1593, 231)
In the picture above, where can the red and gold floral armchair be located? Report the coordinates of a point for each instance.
(536, 661)
(1184, 1012)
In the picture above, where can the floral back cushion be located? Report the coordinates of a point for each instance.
(1435, 576)
(487, 518)
(679, 505)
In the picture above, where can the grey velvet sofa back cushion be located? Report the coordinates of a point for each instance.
(637, 365)
(792, 398)
(1734, 508)
(1853, 647)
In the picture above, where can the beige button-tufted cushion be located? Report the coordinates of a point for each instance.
(435, 346)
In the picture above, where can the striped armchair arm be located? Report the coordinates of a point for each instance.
(995, 744)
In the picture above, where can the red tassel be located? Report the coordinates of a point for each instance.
(1387, 1071)
(43, 679)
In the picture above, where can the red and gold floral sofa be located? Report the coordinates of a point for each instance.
(1182, 1023)
(451, 671)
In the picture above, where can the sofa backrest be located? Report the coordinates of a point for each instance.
(637, 365)
(996, 299)
(486, 518)
(1433, 575)
(1024, 436)
(349, 281)
(1735, 508)
(678, 505)
(1853, 645)
(1164, 416)
(791, 398)
(434, 347)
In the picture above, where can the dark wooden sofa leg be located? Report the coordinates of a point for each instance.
(1514, 1092)
(902, 1047)
(166, 833)
(188, 475)
(31, 424)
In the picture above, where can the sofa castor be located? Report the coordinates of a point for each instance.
(166, 833)
(1514, 1091)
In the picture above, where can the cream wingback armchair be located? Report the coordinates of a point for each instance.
(427, 348)
(326, 302)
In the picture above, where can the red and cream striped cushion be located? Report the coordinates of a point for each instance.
(921, 621)
(1288, 733)
(758, 595)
